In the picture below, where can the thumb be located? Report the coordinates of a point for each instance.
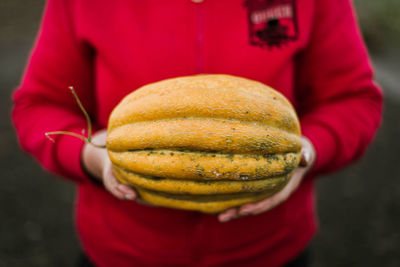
(307, 153)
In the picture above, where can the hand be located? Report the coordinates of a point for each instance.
(96, 161)
(306, 162)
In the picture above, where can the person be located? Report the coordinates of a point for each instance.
(311, 51)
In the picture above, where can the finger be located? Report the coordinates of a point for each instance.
(267, 204)
(120, 191)
(255, 208)
(227, 215)
(274, 200)
(307, 153)
(281, 196)
(111, 183)
(271, 202)
(128, 192)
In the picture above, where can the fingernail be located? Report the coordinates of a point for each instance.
(307, 158)
(130, 196)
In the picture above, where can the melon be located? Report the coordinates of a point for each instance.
(205, 142)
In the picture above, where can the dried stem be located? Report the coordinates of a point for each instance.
(89, 122)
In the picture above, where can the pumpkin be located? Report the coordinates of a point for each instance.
(205, 143)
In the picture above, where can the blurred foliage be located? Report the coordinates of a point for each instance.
(380, 24)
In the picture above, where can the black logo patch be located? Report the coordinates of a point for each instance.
(271, 22)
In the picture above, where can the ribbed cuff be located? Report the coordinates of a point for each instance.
(324, 143)
(69, 154)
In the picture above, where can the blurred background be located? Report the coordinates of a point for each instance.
(359, 207)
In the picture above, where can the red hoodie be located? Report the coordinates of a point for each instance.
(309, 50)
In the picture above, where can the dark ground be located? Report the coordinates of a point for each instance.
(359, 207)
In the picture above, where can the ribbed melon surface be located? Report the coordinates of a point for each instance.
(205, 142)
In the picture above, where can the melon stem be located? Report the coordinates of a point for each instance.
(89, 124)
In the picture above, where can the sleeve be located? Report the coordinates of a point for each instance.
(339, 104)
(43, 102)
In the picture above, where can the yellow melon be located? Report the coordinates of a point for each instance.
(204, 142)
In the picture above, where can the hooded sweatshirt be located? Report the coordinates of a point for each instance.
(311, 51)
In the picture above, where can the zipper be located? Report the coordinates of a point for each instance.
(199, 36)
